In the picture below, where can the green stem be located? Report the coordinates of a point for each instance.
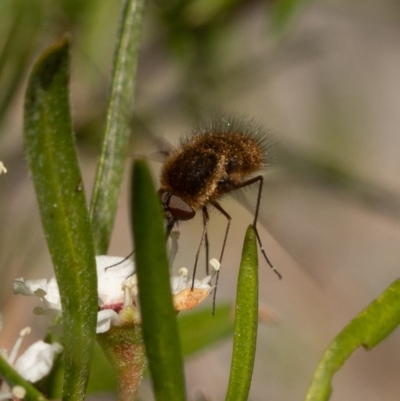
(14, 379)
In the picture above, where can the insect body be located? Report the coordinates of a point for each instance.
(222, 156)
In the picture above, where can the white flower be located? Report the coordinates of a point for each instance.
(188, 293)
(34, 364)
(47, 291)
(111, 272)
(115, 276)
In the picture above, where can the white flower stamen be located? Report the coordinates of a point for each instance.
(18, 392)
(183, 271)
(214, 263)
(14, 352)
(127, 287)
(182, 279)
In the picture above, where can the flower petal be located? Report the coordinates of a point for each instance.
(29, 287)
(37, 361)
(53, 293)
(104, 319)
(111, 272)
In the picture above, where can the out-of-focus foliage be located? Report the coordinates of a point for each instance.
(24, 27)
(195, 35)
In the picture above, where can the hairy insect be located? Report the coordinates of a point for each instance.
(222, 155)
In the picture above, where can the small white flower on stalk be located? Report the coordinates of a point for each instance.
(3, 170)
(33, 364)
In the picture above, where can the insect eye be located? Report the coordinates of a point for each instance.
(180, 209)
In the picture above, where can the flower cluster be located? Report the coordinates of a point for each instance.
(117, 289)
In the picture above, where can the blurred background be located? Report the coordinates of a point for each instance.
(324, 78)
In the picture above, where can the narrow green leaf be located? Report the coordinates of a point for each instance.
(14, 379)
(200, 329)
(246, 321)
(368, 329)
(115, 142)
(50, 148)
(160, 330)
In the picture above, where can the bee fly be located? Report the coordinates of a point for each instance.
(224, 155)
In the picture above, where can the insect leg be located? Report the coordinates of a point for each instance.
(169, 228)
(207, 245)
(229, 218)
(121, 261)
(206, 219)
(260, 181)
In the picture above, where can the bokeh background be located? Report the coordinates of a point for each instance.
(324, 78)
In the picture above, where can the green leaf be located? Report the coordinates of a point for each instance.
(14, 379)
(246, 321)
(200, 329)
(160, 330)
(115, 142)
(50, 148)
(102, 375)
(368, 329)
